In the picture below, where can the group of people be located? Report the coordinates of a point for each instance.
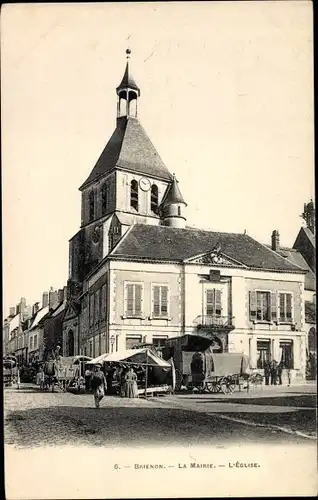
(273, 372)
(101, 383)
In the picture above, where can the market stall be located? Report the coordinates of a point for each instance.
(154, 375)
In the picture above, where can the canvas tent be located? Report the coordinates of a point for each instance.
(157, 369)
(136, 356)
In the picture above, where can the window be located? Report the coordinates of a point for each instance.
(133, 300)
(286, 349)
(179, 210)
(97, 304)
(35, 340)
(285, 307)
(31, 343)
(133, 341)
(263, 353)
(104, 199)
(262, 306)
(91, 349)
(154, 199)
(103, 305)
(134, 194)
(159, 341)
(213, 303)
(91, 205)
(91, 310)
(160, 301)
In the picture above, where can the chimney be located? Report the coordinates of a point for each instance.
(53, 298)
(275, 240)
(60, 295)
(35, 308)
(45, 299)
(12, 311)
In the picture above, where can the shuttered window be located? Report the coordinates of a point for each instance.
(160, 301)
(285, 307)
(103, 303)
(97, 305)
(91, 310)
(213, 306)
(263, 306)
(133, 299)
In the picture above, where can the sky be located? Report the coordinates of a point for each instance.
(226, 98)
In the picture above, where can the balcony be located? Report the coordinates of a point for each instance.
(214, 323)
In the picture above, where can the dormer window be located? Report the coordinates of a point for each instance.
(91, 205)
(154, 199)
(134, 194)
(104, 198)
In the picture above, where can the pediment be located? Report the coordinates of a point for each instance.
(70, 312)
(214, 258)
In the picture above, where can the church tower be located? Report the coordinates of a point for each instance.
(126, 186)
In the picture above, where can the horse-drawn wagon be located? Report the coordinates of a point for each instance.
(197, 366)
(64, 370)
(10, 371)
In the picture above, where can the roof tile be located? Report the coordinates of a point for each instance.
(171, 244)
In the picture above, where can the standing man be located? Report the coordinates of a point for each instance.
(98, 384)
(279, 373)
(88, 375)
(267, 372)
(274, 372)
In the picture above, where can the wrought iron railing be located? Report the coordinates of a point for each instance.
(214, 321)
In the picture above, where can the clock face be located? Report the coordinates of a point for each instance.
(144, 184)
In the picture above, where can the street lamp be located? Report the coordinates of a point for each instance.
(112, 341)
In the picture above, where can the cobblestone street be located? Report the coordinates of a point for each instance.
(33, 418)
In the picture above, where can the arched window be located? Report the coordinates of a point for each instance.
(91, 205)
(104, 199)
(70, 343)
(134, 194)
(154, 199)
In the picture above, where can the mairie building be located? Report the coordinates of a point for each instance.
(138, 274)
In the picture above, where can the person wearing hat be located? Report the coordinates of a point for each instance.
(98, 384)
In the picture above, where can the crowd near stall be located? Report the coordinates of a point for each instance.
(188, 362)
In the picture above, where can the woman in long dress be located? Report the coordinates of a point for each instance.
(131, 389)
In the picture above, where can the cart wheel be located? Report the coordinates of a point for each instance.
(216, 388)
(228, 385)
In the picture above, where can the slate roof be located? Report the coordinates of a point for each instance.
(296, 258)
(128, 81)
(153, 243)
(173, 194)
(129, 148)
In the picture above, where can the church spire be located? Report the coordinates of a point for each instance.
(128, 91)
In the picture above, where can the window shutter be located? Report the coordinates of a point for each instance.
(289, 307)
(164, 300)
(130, 300)
(273, 305)
(209, 306)
(253, 305)
(137, 300)
(282, 311)
(156, 300)
(218, 306)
